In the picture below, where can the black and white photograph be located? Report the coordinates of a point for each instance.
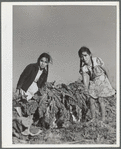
(60, 74)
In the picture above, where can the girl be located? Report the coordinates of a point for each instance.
(33, 78)
(95, 80)
(30, 83)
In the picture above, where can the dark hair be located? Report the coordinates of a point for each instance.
(46, 55)
(83, 49)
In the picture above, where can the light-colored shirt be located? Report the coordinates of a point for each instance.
(33, 87)
(38, 75)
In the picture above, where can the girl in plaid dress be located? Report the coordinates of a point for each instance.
(95, 80)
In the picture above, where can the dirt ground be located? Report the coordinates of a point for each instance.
(76, 133)
(71, 131)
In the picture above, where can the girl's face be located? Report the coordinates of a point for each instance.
(43, 62)
(86, 58)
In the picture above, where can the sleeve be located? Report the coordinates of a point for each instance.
(99, 61)
(23, 76)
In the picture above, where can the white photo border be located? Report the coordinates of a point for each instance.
(7, 65)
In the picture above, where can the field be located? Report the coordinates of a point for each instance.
(61, 120)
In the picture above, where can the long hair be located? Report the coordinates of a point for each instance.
(85, 49)
(81, 50)
(46, 55)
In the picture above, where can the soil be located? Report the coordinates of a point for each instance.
(75, 132)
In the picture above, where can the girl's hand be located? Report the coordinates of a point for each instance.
(18, 93)
(80, 71)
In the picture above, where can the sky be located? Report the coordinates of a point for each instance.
(61, 31)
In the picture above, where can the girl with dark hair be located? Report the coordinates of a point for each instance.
(95, 80)
(30, 84)
(34, 76)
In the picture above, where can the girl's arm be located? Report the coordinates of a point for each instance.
(86, 79)
(23, 76)
(85, 76)
(105, 69)
(107, 74)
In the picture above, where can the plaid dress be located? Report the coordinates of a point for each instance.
(99, 85)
